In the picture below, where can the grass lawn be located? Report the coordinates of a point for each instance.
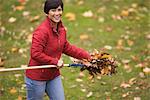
(120, 26)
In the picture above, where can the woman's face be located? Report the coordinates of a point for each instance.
(55, 14)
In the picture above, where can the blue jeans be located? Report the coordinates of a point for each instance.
(37, 89)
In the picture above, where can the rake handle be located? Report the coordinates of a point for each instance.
(38, 67)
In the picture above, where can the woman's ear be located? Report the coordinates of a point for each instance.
(46, 14)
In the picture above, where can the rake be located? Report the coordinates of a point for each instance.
(38, 67)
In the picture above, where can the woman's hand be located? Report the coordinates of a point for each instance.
(60, 63)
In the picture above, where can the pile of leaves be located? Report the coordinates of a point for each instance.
(101, 63)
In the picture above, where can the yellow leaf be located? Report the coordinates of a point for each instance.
(70, 16)
(84, 37)
(125, 13)
(14, 49)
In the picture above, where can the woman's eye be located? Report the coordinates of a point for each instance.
(59, 9)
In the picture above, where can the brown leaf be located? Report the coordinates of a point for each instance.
(1, 62)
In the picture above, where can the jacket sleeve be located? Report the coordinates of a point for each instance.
(75, 52)
(37, 48)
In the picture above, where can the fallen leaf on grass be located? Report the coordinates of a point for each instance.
(79, 80)
(35, 18)
(81, 2)
(89, 94)
(12, 19)
(13, 90)
(84, 37)
(124, 13)
(146, 70)
(20, 98)
(70, 16)
(88, 14)
(83, 90)
(132, 81)
(26, 13)
(137, 98)
(20, 8)
(125, 85)
(1, 62)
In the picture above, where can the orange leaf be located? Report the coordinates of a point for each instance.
(13, 90)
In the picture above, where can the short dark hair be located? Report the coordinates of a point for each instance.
(52, 4)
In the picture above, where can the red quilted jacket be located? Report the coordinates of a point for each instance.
(47, 48)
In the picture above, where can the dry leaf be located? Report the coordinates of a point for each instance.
(125, 85)
(14, 49)
(125, 94)
(130, 42)
(83, 90)
(124, 13)
(146, 70)
(109, 29)
(84, 37)
(1, 62)
(132, 81)
(20, 98)
(35, 18)
(89, 94)
(81, 74)
(20, 8)
(12, 20)
(137, 98)
(148, 36)
(79, 80)
(26, 13)
(108, 47)
(101, 19)
(70, 16)
(88, 14)
(81, 2)
(13, 90)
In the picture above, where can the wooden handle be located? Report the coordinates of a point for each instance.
(31, 67)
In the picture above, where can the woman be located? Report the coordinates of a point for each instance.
(48, 43)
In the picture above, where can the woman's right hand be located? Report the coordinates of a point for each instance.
(60, 63)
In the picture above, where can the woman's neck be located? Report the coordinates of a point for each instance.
(54, 25)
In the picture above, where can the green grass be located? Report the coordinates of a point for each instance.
(136, 26)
